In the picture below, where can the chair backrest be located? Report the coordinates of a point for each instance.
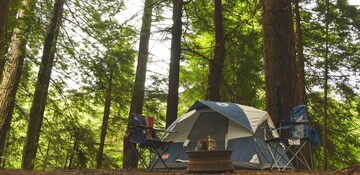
(299, 114)
(141, 128)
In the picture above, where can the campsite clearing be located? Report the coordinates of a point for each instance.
(352, 170)
(172, 172)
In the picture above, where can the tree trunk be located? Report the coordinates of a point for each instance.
(12, 72)
(7, 35)
(300, 72)
(4, 8)
(300, 59)
(216, 65)
(326, 78)
(137, 99)
(279, 57)
(173, 96)
(41, 89)
(74, 150)
(105, 121)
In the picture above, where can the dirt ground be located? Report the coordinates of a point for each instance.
(140, 172)
(354, 170)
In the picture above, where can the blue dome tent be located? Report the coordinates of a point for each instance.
(234, 127)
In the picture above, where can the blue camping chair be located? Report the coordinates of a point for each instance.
(301, 135)
(145, 142)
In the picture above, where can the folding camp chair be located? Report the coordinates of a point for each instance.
(292, 147)
(143, 138)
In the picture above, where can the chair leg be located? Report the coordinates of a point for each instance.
(295, 154)
(157, 160)
(273, 155)
(288, 148)
(311, 158)
(159, 155)
(134, 161)
(138, 158)
(303, 161)
(275, 162)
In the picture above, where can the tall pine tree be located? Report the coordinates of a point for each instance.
(279, 57)
(41, 89)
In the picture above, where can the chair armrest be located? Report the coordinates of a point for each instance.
(160, 130)
(165, 131)
(268, 129)
(171, 133)
(275, 132)
(139, 126)
(293, 123)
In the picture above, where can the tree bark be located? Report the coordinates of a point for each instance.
(216, 65)
(300, 75)
(279, 57)
(41, 89)
(13, 70)
(4, 8)
(7, 34)
(300, 59)
(137, 99)
(173, 96)
(75, 148)
(105, 121)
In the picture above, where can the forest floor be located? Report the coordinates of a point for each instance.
(353, 170)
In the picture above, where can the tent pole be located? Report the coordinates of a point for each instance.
(257, 150)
